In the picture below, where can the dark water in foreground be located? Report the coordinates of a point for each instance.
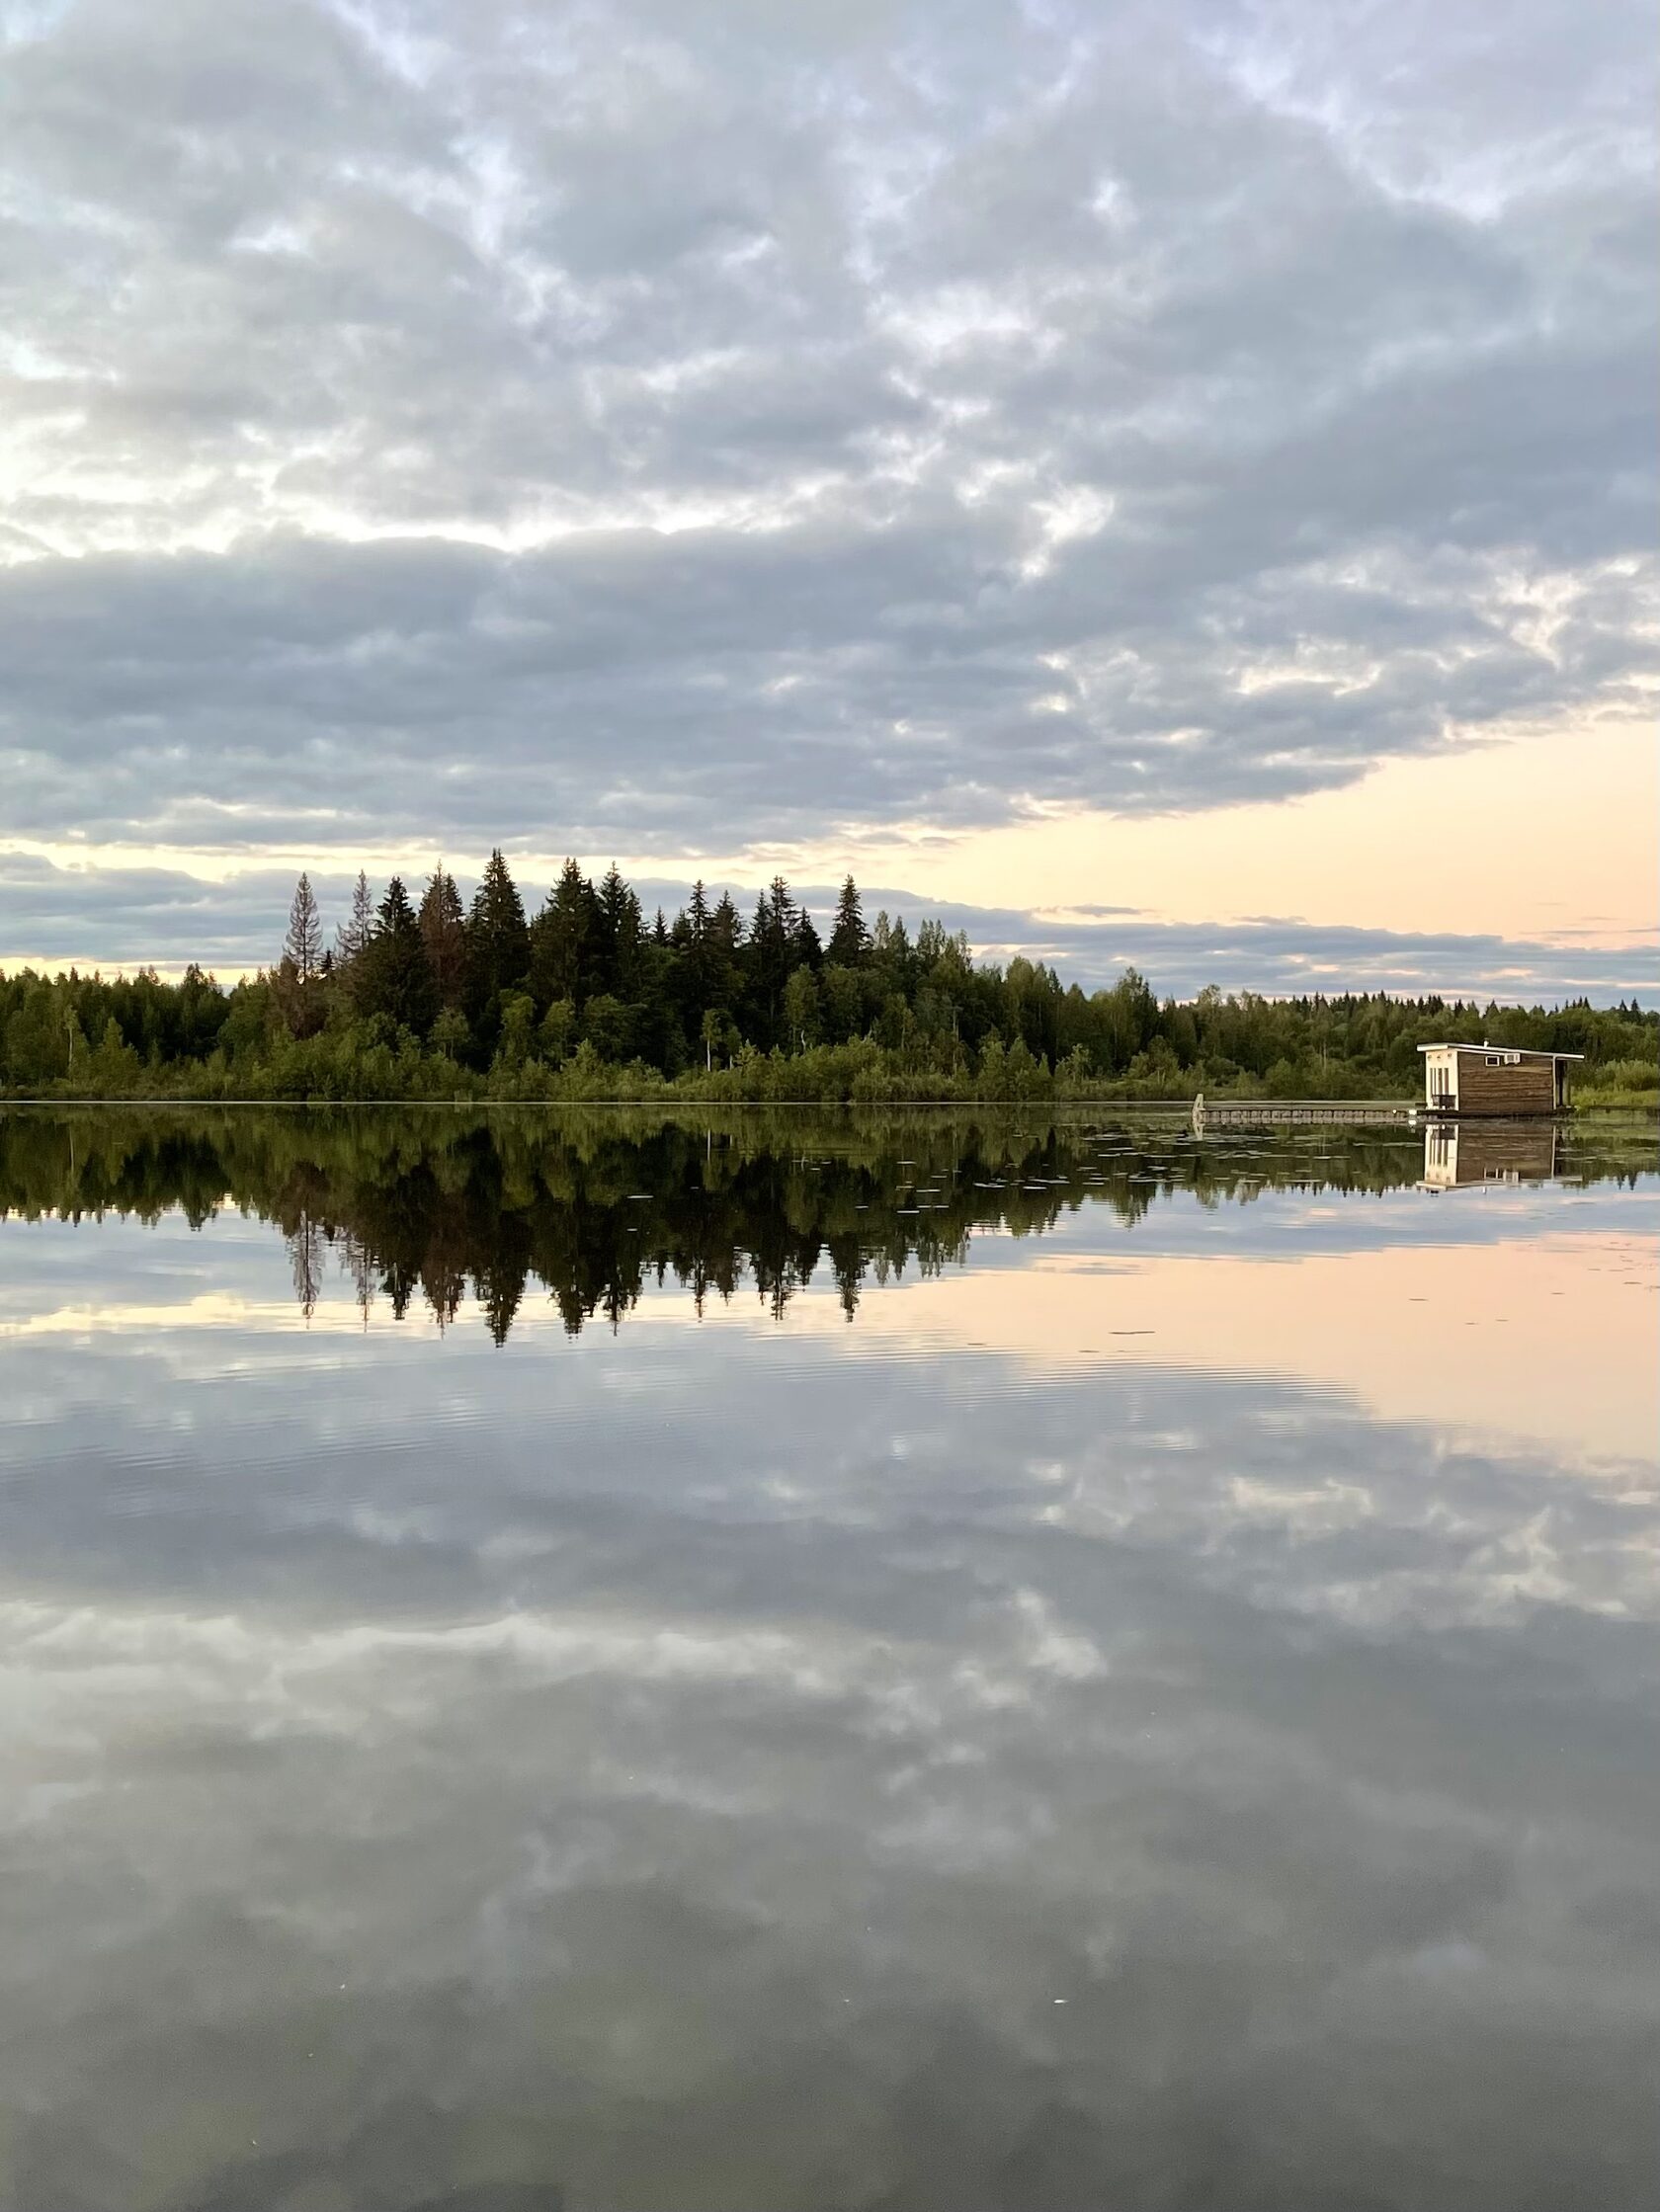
(787, 1665)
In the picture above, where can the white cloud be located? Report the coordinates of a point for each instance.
(689, 416)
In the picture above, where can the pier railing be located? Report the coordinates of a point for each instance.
(1234, 1113)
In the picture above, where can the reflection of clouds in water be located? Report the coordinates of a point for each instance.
(692, 1766)
(659, 1875)
(658, 1887)
(1459, 1311)
(687, 1469)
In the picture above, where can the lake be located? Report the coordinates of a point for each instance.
(778, 1662)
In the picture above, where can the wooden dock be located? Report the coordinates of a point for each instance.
(1262, 1114)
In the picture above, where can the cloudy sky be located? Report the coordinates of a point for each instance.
(1171, 482)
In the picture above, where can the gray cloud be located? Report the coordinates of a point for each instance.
(671, 423)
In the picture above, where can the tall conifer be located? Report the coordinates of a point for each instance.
(443, 933)
(850, 941)
(565, 942)
(396, 974)
(498, 942)
(622, 932)
(358, 928)
(304, 944)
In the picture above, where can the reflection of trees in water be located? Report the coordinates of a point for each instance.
(306, 1258)
(598, 1234)
(597, 1206)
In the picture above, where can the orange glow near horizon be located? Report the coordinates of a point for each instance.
(1552, 839)
(1545, 838)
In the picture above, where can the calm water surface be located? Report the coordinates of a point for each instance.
(787, 1665)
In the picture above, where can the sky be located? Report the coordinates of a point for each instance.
(1170, 482)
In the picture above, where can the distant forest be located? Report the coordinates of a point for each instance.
(432, 997)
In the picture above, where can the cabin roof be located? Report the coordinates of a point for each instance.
(1527, 1052)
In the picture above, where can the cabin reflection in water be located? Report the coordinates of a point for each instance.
(1462, 1154)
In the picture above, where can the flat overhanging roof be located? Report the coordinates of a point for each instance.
(1523, 1051)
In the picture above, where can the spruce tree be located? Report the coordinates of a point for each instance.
(498, 942)
(564, 939)
(397, 977)
(772, 946)
(443, 933)
(850, 941)
(726, 945)
(304, 944)
(783, 907)
(356, 931)
(622, 931)
(697, 957)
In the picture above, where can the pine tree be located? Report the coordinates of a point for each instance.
(564, 939)
(622, 929)
(783, 907)
(727, 946)
(850, 941)
(893, 947)
(396, 974)
(498, 942)
(298, 977)
(356, 931)
(772, 946)
(443, 933)
(304, 944)
(712, 978)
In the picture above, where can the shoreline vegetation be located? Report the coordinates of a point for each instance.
(589, 1001)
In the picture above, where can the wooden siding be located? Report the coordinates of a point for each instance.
(1526, 1087)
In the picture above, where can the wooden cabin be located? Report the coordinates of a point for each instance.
(1495, 1078)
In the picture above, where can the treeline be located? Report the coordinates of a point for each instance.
(434, 997)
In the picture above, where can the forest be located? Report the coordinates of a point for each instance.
(432, 996)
